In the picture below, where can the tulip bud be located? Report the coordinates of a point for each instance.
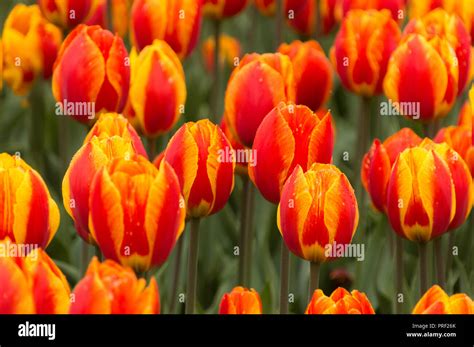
(421, 199)
(30, 46)
(230, 52)
(178, 22)
(289, 136)
(241, 301)
(92, 68)
(28, 215)
(340, 302)
(439, 23)
(136, 212)
(431, 83)
(220, 9)
(204, 162)
(462, 8)
(255, 87)
(67, 13)
(157, 90)
(265, 7)
(312, 72)
(31, 284)
(378, 162)
(303, 15)
(317, 209)
(110, 138)
(461, 178)
(109, 288)
(362, 50)
(436, 301)
(119, 12)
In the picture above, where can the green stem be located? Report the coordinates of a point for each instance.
(422, 247)
(399, 269)
(249, 236)
(449, 253)
(109, 16)
(318, 24)
(284, 277)
(314, 278)
(63, 141)
(192, 267)
(439, 262)
(84, 256)
(243, 255)
(217, 70)
(176, 273)
(36, 99)
(151, 141)
(362, 147)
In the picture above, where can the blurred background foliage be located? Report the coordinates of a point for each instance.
(29, 126)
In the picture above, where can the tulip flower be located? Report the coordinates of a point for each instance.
(110, 138)
(92, 68)
(362, 50)
(241, 301)
(178, 22)
(460, 139)
(289, 136)
(378, 162)
(340, 302)
(28, 214)
(220, 9)
(67, 13)
(439, 23)
(436, 301)
(109, 288)
(201, 155)
(230, 52)
(157, 89)
(396, 7)
(318, 209)
(31, 283)
(203, 160)
(431, 83)
(461, 8)
(30, 47)
(256, 86)
(461, 177)
(312, 72)
(265, 7)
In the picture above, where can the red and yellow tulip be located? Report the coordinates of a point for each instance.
(220, 9)
(421, 198)
(378, 162)
(312, 71)
(431, 83)
(256, 86)
(265, 7)
(202, 158)
(32, 284)
(178, 22)
(109, 288)
(362, 50)
(111, 137)
(462, 8)
(317, 209)
(157, 90)
(241, 301)
(289, 136)
(439, 24)
(92, 67)
(461, 177)
(340, 302)
(68, 13)
(28, 214)
(436, 301)
(230, 52)
(136, 212)
(30, 47)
